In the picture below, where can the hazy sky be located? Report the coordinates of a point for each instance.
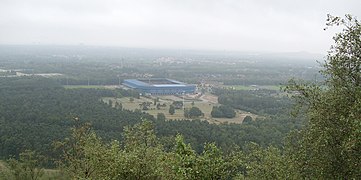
(244, 25)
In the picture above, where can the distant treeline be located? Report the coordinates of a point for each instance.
(256, 101)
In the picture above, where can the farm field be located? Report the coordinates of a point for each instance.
(204, 105)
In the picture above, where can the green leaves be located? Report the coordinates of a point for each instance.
(141, 156)
(223, 111)
(268, 163)
(27, 167)
(171, 109)
(193, 112)
(329, 147)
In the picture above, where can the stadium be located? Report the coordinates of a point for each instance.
(160, 86)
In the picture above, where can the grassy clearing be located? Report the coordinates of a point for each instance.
(204, 106)
(241, 87)
(274, 87)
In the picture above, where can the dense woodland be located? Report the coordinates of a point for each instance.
(33, 108)
(257, 101)
(42, 124)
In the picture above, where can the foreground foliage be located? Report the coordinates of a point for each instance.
(27, 167)
(329, 147)
(141, 156)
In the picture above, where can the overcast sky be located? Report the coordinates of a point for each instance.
(242, 25)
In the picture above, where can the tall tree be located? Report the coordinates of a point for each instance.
(171, 109)
(193, 112)
(74, 160)
(329, 147)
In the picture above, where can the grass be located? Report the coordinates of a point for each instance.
(205, 107)
(241, 87)
(273, 87)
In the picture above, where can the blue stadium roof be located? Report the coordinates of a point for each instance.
(159, 86)
(136, 82)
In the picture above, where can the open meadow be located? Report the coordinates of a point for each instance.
(253, 87)
(205, 103)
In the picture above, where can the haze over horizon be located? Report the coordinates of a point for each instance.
(277, 26)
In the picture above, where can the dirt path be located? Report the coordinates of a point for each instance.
(209, 98)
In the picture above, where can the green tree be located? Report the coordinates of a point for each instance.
(177, 104)
(247, 119)
(267, 163)
(223, 111)
(211, 164)
(118, 105)
(216, 112)
(171, 109)
(85, 156)
(145, 107)
(193, 112)
(186, 112)
(158, 106)
(329, 147)
(143, 153)
(74, 160)
(110, 103)
(161, 117)
(185, 160)
(27, 167)
(227, 111)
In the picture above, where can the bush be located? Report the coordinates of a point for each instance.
(247, 119)
(223, 111)
(193, 112)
